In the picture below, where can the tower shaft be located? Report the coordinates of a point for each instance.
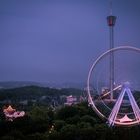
(111, 22)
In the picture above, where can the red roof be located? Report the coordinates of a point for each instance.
(9, 109)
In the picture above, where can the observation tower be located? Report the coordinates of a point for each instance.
(111, 20)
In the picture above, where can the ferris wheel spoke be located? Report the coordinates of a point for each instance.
(108, 93)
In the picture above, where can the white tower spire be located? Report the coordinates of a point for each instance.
(110, 7)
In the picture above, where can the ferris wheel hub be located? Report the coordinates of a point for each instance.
(126, 85)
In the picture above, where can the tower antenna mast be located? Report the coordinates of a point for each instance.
(111, 7)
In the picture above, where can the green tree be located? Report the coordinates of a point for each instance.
(37, 136)
(39, 120)
(69, 132)
(73, 120)
(39, 114)
(89, 119)
(66, 112)
(101, 131)
(14, 135)
(58, 124)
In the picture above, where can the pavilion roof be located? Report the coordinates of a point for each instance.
(9, 109)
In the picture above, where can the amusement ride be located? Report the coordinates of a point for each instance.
(112, 86)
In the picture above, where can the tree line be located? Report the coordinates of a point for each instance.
(77, 122)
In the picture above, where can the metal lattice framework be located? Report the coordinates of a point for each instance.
(112, 119)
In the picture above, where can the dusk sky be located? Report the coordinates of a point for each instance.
(57, 40)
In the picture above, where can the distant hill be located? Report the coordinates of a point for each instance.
(35, 92)
(16, 84)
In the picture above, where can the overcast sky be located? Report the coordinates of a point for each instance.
(57, 40)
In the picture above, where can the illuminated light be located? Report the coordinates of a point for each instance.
(125, 119)
(12, 114)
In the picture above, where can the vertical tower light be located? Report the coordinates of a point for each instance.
(111, 23)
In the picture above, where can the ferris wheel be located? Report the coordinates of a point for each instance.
(124, 108)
